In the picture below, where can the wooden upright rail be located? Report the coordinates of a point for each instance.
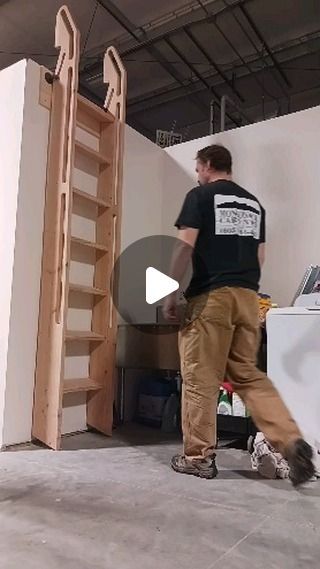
(105, 126)
(48, 385)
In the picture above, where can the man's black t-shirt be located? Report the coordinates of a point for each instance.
(231, 225)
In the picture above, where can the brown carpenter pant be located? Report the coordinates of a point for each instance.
(217, 342)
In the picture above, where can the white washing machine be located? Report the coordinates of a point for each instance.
(294, 364)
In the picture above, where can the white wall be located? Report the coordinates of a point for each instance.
(278, 161)
(27, 264)
(141, 217)
(143, 178)
(11, 117)
(179, 178)
(142, 206)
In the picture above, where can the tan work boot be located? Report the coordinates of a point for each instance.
(201, 468)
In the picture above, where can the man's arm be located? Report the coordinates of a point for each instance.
(262, 244)
(262, 254)
(187, 237)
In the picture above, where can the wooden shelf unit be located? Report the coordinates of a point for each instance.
(93, 112)
(83, 336)
(80, 385)
(88, 197)
(90, 244)
(93, 154)
(87, 290)
(70, 111)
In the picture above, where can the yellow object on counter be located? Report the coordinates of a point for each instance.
(265, 303)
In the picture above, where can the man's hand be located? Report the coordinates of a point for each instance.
(170, 308)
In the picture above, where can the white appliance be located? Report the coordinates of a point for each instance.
(294, 363)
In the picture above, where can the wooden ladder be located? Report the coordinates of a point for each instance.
(81, 243)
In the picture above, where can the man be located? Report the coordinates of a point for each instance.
(223, 227)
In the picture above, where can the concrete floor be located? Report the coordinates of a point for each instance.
(115, 503)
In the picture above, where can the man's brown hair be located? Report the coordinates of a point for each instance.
(218, 156)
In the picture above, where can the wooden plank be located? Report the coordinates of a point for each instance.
(90, 244)
(47, 412)
(87, 290)
(106, 180)
(80, 336)
(102, 359)
(80, 385)
(87, 122)
(93, 154)
(88, 197)
(90, 109)
(115, 76)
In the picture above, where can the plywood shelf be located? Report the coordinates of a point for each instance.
(87, 290)
(80, 385)
(80, 336)
(93, 199)
(93, 154)
(90, 244)
(94, 111)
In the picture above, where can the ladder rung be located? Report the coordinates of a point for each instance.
(90, 244)
(88, 197)
(91, 153)
(87, 128)
(96, 112)
(76, 335)
(78, 385)
(87, 289)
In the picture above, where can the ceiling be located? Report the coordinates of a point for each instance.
(183, 56)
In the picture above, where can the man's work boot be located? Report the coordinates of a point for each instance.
(201, 468)
(300, 459)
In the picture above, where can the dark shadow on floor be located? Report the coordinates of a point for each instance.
(130, 434)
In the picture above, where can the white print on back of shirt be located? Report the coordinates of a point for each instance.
(234, 219)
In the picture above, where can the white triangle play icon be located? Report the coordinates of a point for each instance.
(158, 285)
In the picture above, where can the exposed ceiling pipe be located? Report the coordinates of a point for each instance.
(231, 8)
(238, 54)
(147, 41)
(198, 75)
(170, 93)
(265, 45)
(208, 57)
(169, 68)
(122, 19)
(261, 55)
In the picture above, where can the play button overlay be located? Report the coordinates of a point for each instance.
(158, 285)
(143, 274)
